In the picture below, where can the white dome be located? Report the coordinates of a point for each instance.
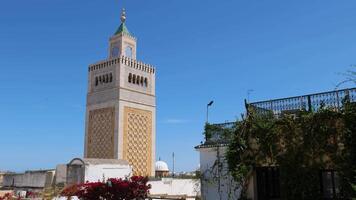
(161, 166)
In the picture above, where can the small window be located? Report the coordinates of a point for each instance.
(100, 81)
(96, 81)
(134, 78)
(128, 51)
(146, 82)
(138, 80)
(106, 78)
(141, 81)
(130, 77)
(110, 77)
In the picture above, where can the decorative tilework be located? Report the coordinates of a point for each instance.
(100, 141)
(138, 140)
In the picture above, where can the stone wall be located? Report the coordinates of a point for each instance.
(29, 179)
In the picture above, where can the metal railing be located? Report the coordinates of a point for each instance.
(312, 102)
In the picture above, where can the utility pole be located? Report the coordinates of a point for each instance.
(173, 164)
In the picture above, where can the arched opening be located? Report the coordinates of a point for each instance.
(96, 81)
(146, 82)
(106, 78)
(130, 77)
(128, 52)
(134, 78)
(141, 81)
(110, 77)
(138, 80)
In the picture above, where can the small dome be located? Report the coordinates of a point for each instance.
(161, 166)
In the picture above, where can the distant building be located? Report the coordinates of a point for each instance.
(93, 170)
(161, 169)
(34, 180)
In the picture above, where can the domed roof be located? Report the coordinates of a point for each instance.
(161, 166)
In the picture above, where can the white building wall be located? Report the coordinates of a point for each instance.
(216, 182)
(94, 173)
(175, 187)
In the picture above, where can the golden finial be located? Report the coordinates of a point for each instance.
(123, 15)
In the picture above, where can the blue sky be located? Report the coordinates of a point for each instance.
(202, 50)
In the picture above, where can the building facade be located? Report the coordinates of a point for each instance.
(121, 106)
(263, 181)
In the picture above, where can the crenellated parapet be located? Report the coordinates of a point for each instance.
(124, 34)
(123, 60)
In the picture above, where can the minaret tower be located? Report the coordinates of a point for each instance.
(121, 106)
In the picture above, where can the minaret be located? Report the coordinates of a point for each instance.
(121, 106)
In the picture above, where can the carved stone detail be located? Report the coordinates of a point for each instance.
(137, 140)
(100, 143)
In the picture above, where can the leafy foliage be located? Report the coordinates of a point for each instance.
(300, 146)
(217, 133)
(119, 189)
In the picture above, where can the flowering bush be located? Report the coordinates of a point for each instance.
(7, 196)
(119, 189)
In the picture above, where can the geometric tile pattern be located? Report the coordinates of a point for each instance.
(100, 141)
(138, 140)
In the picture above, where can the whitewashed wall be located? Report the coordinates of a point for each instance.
(216, 182)
(95, 173)
(173, 187)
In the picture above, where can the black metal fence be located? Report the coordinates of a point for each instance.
(332, 99)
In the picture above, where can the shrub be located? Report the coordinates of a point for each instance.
(119, 189)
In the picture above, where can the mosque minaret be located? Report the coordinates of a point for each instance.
(121, 106)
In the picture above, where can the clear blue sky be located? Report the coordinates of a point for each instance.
(203, 50)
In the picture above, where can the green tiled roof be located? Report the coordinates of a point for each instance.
(122, 29)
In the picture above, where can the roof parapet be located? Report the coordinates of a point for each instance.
(123, 60)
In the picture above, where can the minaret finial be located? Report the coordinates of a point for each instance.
(123, 15)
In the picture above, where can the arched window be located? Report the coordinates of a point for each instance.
(110, 77)
(134, 78)
(96, 81)
(100, 81)
(146, 82)
(128, 51)
(130, 77)
(138, 80)
(106, 78)
(141, 81)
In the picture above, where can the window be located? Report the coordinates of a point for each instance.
(128, 51)
(134, 79)
(141, 81)
(115, 51)
(146, 82)
(138, 80)
(106, 78)
(130, 77)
